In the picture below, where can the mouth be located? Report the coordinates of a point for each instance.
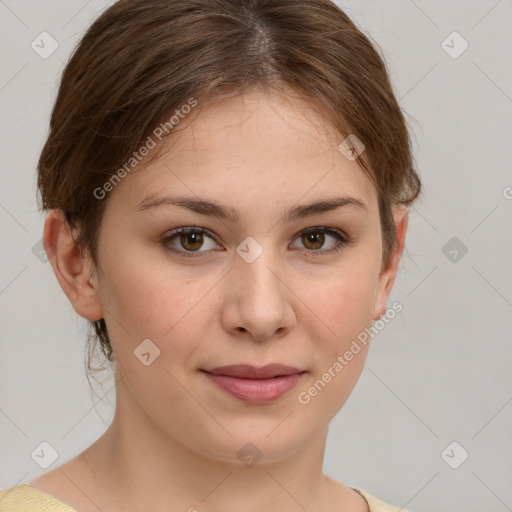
(255, 385)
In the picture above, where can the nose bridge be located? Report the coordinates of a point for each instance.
(258, 279)
(261, 298)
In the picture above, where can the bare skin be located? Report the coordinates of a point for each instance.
(175, 436)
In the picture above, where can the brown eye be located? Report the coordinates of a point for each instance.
(191, 241)
(313, 240)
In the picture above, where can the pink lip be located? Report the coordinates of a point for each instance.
(255, 385)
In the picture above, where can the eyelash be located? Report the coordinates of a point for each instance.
(342, 241)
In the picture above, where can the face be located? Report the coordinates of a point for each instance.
(187, 287)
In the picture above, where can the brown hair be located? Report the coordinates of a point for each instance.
(141, 60)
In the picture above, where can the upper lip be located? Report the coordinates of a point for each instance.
(247, 371)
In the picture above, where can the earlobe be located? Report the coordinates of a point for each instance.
(380, 309)
(388, 275)
(71, 267)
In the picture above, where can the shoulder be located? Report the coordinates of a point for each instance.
(377, 505)
(25, 498)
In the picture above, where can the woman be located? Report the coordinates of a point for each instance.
(228, 185)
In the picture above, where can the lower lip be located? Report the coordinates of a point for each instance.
(256, 391)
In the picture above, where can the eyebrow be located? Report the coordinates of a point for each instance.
(220, 211)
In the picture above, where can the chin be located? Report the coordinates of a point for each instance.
(252, 441)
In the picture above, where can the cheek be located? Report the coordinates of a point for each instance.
(142, 300)
(344, 302)
(150, 293)
(342, 313)
(342, 309)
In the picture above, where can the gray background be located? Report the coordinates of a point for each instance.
(438, 373)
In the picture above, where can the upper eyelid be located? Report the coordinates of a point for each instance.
(185, 229)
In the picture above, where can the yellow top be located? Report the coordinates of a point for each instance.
(25, 498)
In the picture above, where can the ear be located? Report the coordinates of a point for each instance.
(74, 271)
(388, 274)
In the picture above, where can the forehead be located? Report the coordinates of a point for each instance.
(258, 148)
(256, 120)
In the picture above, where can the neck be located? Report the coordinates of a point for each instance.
(136, 465)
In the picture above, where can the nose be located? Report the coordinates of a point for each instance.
(257, 300)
